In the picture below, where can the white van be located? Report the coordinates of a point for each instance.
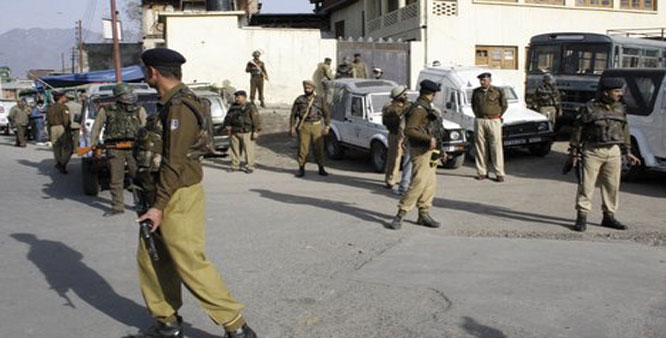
(521, 127)
(645, 97)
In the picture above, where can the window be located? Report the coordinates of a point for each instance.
(340, 29)
(357, 107)
(545, 59)
(637, 57)
(546, 2)
(640, 92)
(645, 5)
(497, 56)
(584, 59)
(595, 3)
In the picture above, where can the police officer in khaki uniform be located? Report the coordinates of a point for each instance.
(322, 75)
(19, 116)
(393, 118)
(258, 74)
(178, 212)
(308, 114)
(121, 123)
(243, 123)
(58, 126)
(75, 108)
(422, 189)
(360, 68)
(599, 140)
(489, 104)
(547, 99)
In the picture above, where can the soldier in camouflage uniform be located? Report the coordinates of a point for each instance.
(121, 122)
(547, 99)
(308, 114)
(599, 141)
(243, 123)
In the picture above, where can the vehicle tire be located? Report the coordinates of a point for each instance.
(334, 149)
(89, 177)
(541, 149)
(454, 163)
(378, 156)
(630, 173)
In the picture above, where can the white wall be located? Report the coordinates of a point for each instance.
(217, 49)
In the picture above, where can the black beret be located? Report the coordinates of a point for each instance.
(608, 83)
(162, 57)
(430, 86)
(240, 93)
(56, 94)
(484, 75)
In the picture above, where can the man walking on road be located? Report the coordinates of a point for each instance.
(243, 123)
(19, 116)
(178, 212)
(61, 136)
(489, 104)
(308, 114)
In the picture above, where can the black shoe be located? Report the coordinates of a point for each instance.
(301, 171)
(581, 223)
(395, 224)
(322, 171)
(609, 221)
(426, 220)
(249, 170)
(262, 104)
(163, 330)
(243, 332)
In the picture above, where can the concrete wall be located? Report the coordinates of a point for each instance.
(217, 49)
(352, 15)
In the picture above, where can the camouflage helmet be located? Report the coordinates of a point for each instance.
(122, 88)
(256, 53)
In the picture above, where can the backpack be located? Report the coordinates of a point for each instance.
(204, 145)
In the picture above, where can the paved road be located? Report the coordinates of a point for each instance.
(310, 258)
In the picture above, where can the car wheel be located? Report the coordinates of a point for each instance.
(454, 163)
(89, 177)
(541, 149)
(631, 173)
(378, 156)
(334, 149)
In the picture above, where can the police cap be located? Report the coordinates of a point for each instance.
(484, 75)
(164, 57)
(431, 86)
(609, 83)
(240, 93)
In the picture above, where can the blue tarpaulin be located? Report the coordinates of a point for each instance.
(130, 74)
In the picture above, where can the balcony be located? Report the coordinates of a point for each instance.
(399, 23)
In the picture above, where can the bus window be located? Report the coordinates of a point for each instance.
(630, 57)
(580, 59)
(651, 59)
(544, 59)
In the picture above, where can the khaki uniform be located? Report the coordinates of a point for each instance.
(489, 106)
(392, 118)
(182, 243)
(61, 137)
(321, 76)
(315, 111)
(20, 117)
(244, 122)
(601, 134)
(75, 110)
(547, 100)
(360, 70)
(258, 74)
(117, 159)
(422, 189)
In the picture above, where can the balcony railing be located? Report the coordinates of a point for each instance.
(389, 20)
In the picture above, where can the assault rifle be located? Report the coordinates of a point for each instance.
(141, 207)
(575, 162)
(116, 145)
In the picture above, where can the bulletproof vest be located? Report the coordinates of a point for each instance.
(122, 123)
(546, 96)
(240, 118)
(391, 116)
(602, 125)
(205, 143)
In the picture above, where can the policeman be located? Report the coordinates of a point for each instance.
(393, 118)
(121, 122)
(243, 123)
(488, 104)
(178, 212)
(599, 140)
(345, 69)
(19, 116)
(377, 73)
(308, 114)
(59, 121)
(322, 75)
(360, 68)
(258, 74)
(422, 189)
(75, 109)
(547, 99)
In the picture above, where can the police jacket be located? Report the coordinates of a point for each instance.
(601, 123)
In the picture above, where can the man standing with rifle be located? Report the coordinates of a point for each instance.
(258, 74)
(307, 115)
(121, 122)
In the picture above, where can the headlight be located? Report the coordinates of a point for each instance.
(543, 126)
(454, 135)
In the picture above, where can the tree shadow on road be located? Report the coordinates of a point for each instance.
(474, 328)
(64, 270)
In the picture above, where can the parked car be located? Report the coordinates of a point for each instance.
(5, 107)
(356, 122)
(521, 127)
(645, 97)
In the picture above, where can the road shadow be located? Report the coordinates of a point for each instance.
(475, 329)
(346, 208)
(64, 270)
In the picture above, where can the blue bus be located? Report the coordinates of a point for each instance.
(576, 60)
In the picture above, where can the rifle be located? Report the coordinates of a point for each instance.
(116, 145)
(141, 207)
(576, 162)
(263, 74)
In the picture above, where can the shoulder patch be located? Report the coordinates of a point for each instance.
(174, 124)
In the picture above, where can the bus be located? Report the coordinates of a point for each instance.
(576, 60)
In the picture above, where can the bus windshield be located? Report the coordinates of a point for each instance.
(545, 59)
(584, 59)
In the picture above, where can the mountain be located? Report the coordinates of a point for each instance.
(39, 48)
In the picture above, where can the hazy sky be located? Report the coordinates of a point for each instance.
(63, 13)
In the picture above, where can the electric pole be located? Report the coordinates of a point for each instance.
(73, 60)
(116, 44)
(80, 44)
(62, 58)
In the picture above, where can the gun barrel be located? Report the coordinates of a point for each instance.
(149, 240)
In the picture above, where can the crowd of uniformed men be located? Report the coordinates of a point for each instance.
(163, 155)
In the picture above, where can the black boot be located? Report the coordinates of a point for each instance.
(322, 171)
(301, 171)
(163, 330)
(243, 332)
(581, 223)
(609, 221)
(426, 220)
(396, 223)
